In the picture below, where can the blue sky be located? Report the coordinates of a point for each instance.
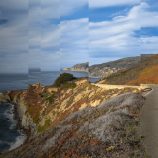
(53, 34)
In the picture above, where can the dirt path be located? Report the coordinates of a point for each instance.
(149, 123)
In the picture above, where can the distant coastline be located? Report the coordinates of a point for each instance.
(75, 70)
(69, 70)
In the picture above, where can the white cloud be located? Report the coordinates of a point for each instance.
(108, 3)
(118, 35)
(51, 37)
(74, 45)
(14, 37)
(55, 9)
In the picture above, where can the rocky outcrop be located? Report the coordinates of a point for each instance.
(83, 67)
(28, 104)
(4, 97)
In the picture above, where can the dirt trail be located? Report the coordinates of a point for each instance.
(149, 123)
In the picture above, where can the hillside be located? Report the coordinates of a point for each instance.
(78, 119)
(144, 73)
(42, 107)
(107, 130)
(108, 68)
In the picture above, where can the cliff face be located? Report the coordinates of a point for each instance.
(29, 105)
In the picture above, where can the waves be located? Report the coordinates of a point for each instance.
(18, 142)
(10, 136)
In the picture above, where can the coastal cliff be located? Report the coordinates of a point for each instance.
(83, 67)
(109, 129)
(61, 118)
(40, 107)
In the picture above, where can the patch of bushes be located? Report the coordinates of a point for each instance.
(45, 126)
(68, 85)
(64, 79)
(48, 97)
(34, 111)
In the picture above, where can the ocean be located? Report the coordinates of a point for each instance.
(21, 81)
(10, 136)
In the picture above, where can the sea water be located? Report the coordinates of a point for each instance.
(10, 136)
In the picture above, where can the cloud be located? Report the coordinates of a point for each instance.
(14, 37)
(55, 9)
(14, 4)
(118, 36)
(74, 43)
(109, 3)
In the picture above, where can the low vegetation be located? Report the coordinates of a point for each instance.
(63, 79)
(48, 97)
(45, 126)
(147, 75)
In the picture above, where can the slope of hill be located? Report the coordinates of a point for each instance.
(107, 130)
(124, 62)
(41, 107)
(106, 69)
(143, 73)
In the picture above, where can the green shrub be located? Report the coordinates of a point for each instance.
(45, 126)
(63, 78)
(48, 97)
(68, 85)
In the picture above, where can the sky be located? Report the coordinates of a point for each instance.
(52, 34)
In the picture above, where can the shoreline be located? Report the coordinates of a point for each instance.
(23, 134)
(76, 71)
(96, 77)
(21, 139)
